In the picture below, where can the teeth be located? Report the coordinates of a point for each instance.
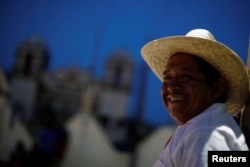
(175, 98)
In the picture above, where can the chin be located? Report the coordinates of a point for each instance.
(180, 120)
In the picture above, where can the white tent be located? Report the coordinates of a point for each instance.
(89, 146)
(10, 136)
(149, 150)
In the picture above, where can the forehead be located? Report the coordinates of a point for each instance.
(182, 59)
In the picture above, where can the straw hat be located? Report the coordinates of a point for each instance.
(201, 43)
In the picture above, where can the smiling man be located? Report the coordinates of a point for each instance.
(204, 84)
(183, 82)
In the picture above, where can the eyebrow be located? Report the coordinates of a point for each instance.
(182, 69)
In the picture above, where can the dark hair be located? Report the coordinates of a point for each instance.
(212, 76)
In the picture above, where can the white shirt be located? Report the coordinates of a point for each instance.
(213, 129)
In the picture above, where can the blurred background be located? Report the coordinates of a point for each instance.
(74, 88)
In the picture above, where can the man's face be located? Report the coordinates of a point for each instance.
(184, 89)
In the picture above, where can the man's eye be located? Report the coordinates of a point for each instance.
(186, 77)
(167, 78)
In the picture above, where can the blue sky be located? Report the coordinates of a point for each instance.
(69, 29)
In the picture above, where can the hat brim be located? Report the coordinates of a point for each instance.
(226, 61)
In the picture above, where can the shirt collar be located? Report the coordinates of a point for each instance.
(216, 107)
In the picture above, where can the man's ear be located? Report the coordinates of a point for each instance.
(220, 87)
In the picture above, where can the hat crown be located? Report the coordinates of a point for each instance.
(201, 33)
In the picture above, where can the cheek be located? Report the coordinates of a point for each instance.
(162, 91)
(203, 96)
(163, 98)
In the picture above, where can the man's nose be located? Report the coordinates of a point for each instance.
(174, 84)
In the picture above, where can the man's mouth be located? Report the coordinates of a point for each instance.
(174, 98)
